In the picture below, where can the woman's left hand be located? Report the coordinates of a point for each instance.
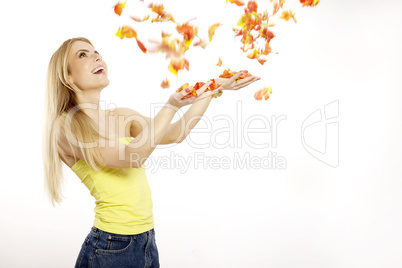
(232, 84)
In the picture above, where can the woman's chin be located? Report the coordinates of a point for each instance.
(106, 83)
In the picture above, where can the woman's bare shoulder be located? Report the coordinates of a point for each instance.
(65, 142)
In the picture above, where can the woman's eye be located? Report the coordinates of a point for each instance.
(82, 54)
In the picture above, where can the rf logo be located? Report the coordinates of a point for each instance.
(325, 129)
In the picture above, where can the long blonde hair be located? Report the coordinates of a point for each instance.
(63, 115)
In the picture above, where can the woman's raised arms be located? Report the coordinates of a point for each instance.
(148, 133)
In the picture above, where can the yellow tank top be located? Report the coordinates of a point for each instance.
(123, 202)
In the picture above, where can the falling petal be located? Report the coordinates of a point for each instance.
(219, 62)
(265, 92)
(251, 6)
(165, 83)
(310, 3)
(278, 4)
(141, 46)
(276, 8)
(211, 31)
(188, 31)
(138, 19)
(237, 2)
(262, 61)
(126, 31)
(287, 15)
(118, 8)
(177, 64)
(202, 43)
(258, 95)
(162, 15)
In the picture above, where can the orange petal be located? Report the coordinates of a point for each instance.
(165, 83)
(254, 54)
(173, 68)
(310, 3)
(177, 64)
(138, 19)
(126, 31)
(251, 6)
(258, 95)
(158, 9)
(287, 15)
(219, 62)
(188, 31)
(141, 46)
(265, 92)
(237, 2)
(162, 15)
(276, 8)
(211, 30)
(194, 93)
(202, 43)
(262, 61)
(182, 87)
(213, 85)
(118, 8)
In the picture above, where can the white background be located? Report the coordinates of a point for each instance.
(307, 215)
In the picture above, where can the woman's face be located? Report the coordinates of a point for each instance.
(86, 69)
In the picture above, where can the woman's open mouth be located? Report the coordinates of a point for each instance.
(99, 70)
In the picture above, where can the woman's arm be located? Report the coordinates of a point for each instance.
(138, 150)
(180, 129)
(138, 122)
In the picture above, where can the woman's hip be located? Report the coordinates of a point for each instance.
(105, 249)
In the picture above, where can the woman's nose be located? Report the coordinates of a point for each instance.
(98, 57)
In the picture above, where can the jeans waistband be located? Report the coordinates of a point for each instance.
(96, 232)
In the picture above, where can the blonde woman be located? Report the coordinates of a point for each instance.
(107, 149)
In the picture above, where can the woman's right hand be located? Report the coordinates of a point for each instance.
(176, 98)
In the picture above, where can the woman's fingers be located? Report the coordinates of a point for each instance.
(209, 93)
(204, 87)
(220, 80)
(178, 96)
(234, 77)
(247, 80)
(244, 82)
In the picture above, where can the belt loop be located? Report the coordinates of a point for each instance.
(96, 230)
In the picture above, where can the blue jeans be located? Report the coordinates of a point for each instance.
(106, 250)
